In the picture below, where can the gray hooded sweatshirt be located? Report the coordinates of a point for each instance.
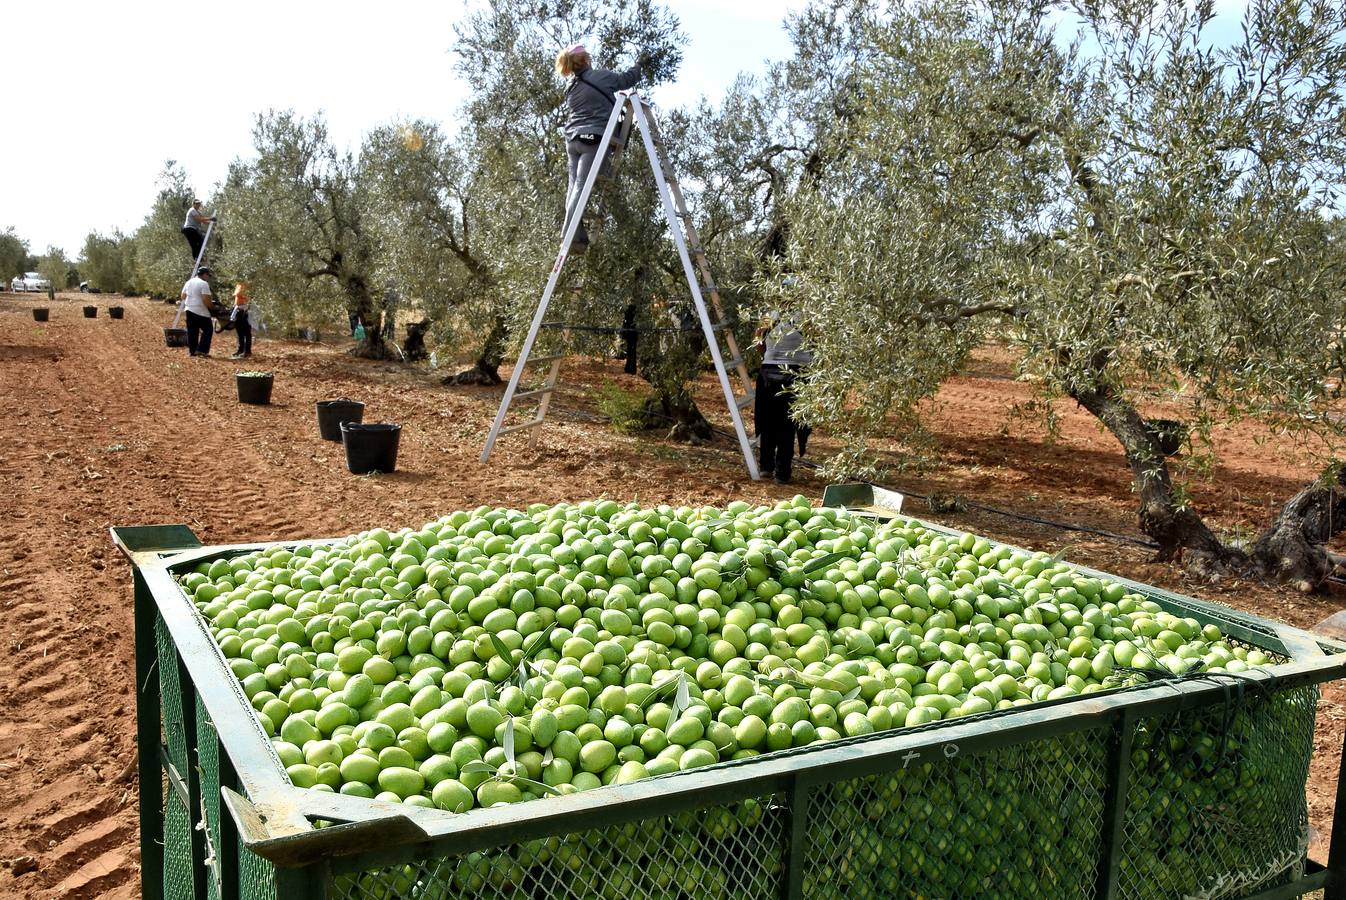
(590, 97)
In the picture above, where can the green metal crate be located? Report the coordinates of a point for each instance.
(1108, 795)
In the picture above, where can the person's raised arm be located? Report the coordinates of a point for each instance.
(631, 76)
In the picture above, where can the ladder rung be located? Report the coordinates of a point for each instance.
(721, 326)
(746, 400)
(520, 427)
(528, 395)
(539, 360)
(733, 363)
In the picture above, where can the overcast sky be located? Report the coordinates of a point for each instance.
(112, 90)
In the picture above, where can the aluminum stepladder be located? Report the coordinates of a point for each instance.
(200, 255)
(679, 218)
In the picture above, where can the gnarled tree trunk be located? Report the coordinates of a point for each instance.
(362, 303)
(1174, 526)
(413, 348)
(1293, 549)
(486, 370)
(677, 412)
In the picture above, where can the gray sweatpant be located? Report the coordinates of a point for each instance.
(581, 157)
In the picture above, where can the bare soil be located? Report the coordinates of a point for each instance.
(106, 426)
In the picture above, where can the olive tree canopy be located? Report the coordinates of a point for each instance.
(1138, 209)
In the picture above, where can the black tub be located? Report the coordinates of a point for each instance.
(175, 337)
(41, 314)
(371, 448)
(254, 388)
(90, 312)
(332, 413)
(116, 312)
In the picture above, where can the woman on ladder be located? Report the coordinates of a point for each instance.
(590, 96)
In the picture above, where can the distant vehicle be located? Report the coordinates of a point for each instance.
(86, 288)
(17, 284)
(31, 281)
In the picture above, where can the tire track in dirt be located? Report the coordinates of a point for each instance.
(58, 812)
(84, 843)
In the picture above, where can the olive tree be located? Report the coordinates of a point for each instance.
(298, 227)
(14, 256)
(57, 269)
(515, 114)
(434, 232)
(107, 261)
(1138, 209)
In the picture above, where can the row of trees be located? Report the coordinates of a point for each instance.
(152, 260)
(1135, 206)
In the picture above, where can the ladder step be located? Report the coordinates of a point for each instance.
(733, 363)
(520, 427)
(539, 360)
(528, 395)
(746, 400)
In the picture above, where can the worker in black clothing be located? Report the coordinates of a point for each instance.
(783, 357)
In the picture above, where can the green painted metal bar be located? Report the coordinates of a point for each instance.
(1297, 888)
(192, 781)
(148, 745)
(229, 843)
(1114, 804)
(308, 883)
(794, 860)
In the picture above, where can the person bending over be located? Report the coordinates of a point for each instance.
(197, 302)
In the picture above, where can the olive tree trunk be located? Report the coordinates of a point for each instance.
(1292, 550)
(486, 370)
(361, 302)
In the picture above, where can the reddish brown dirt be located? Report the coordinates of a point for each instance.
(106, 426)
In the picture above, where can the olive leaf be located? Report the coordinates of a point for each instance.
(823, 562)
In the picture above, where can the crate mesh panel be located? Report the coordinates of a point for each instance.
(208, 756)
(1021, 821)
(734, 851)
(1216, 803)
(171, 692)
(177, 848)
(256, 877)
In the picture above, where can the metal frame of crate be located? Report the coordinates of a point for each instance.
(225, 822)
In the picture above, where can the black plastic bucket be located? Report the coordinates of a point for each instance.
(254, 389)
(41, 314)
(371, 448)
(331, 413)
(175, 337)
(116, 312)
(90, 312)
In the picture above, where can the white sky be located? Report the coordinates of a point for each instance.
(110, 91)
